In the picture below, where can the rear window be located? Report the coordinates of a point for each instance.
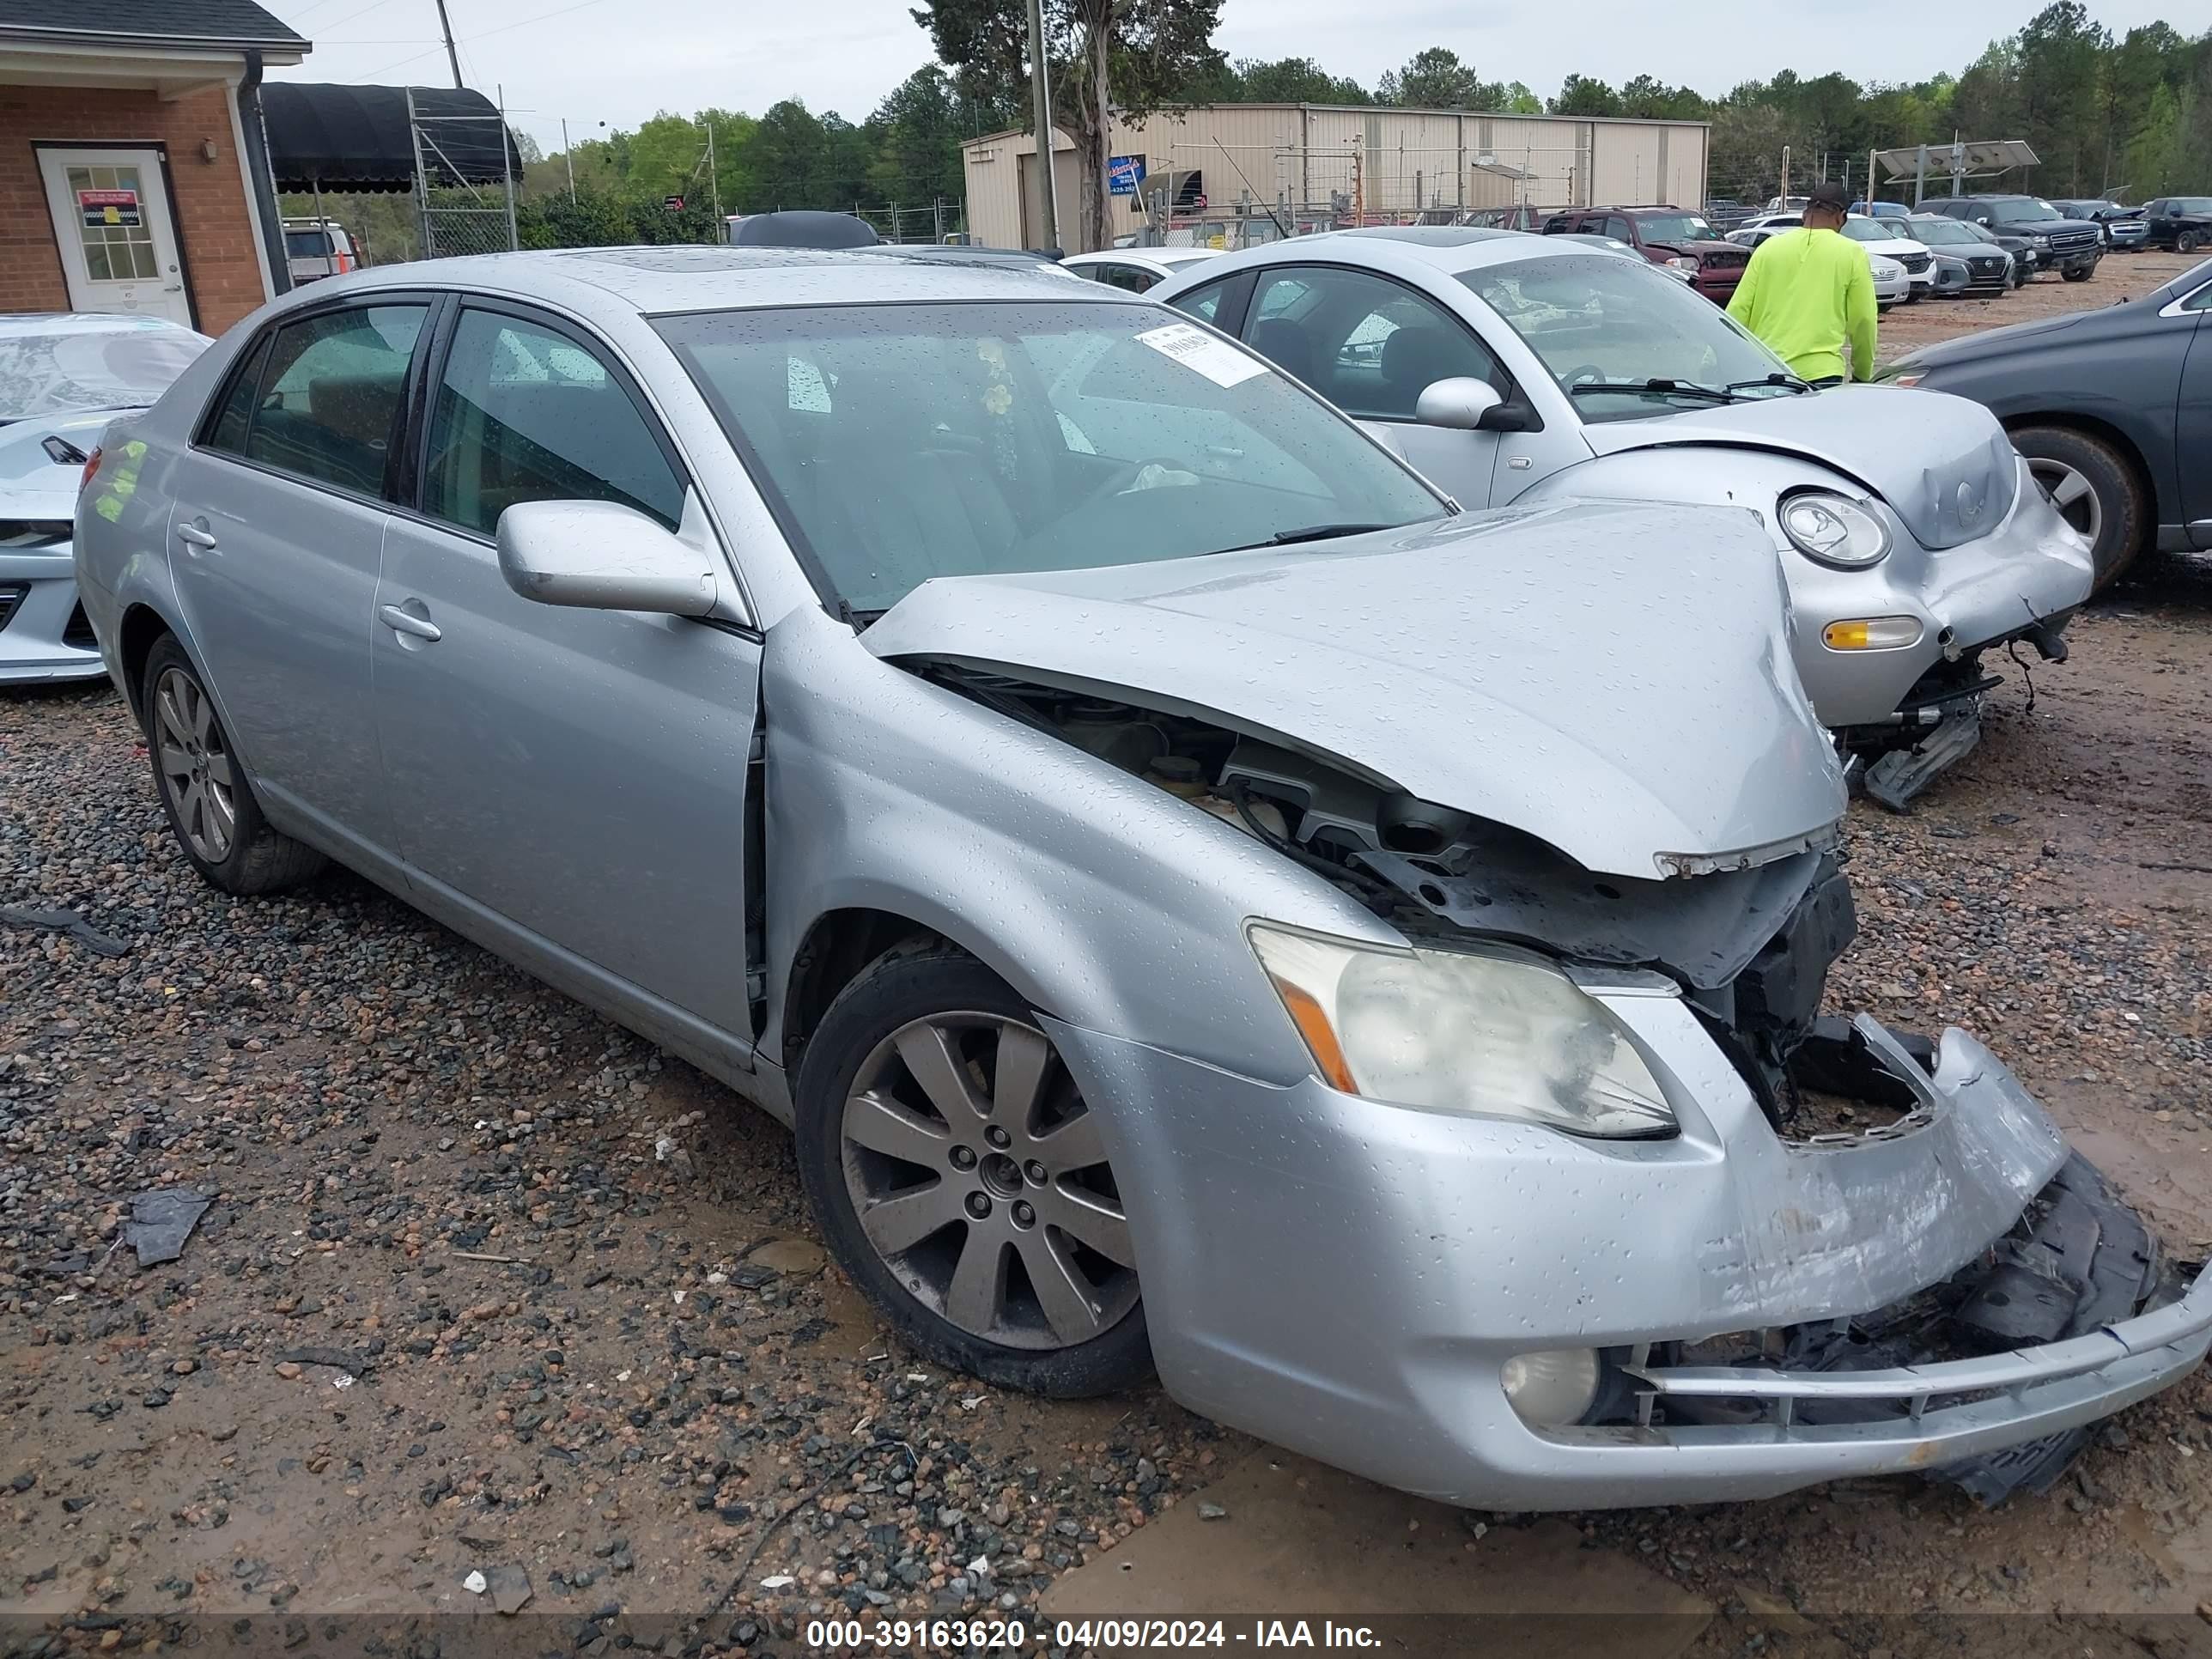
(307, 244)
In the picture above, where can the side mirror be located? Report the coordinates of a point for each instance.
(1458, 403)
(601, 556)
(1982, 219)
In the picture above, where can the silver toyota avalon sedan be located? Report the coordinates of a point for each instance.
(1199, 901)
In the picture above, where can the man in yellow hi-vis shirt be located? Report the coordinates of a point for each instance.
(1807, 292)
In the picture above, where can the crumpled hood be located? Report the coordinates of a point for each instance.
(34, 485)
(1612, 678)
(1942, 462)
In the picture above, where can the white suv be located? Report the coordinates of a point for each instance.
(315, 248)
(1880, 236)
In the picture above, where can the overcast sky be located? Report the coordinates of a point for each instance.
(620, 61)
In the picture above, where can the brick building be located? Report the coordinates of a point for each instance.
(134, 173)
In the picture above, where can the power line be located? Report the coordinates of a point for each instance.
(525, 23)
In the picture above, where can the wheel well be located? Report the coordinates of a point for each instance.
(2089, 426)
(142, 627)
(837, 948)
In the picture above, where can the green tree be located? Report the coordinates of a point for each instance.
(1435, 78)
(1580, 95)
(918, 131)
(1132, 56)
(1294, 80)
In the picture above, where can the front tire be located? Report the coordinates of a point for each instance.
(960, 1178)
(204, 787)
(2077, 273)
(2095, 489)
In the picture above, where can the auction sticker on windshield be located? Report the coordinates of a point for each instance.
(1192, 346)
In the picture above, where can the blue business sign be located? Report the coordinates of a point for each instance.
(1124, 173)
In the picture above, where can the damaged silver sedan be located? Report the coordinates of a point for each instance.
(1199, 901)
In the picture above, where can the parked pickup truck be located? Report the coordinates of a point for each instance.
(2183, 223)
(1666, 236)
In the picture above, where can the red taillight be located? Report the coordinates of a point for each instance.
(91, 467)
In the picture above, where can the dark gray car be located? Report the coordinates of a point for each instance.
(2104, 404)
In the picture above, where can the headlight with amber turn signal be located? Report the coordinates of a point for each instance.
(1494, 1034)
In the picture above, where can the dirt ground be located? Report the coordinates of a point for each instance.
(488, 1284)
(2119, 277)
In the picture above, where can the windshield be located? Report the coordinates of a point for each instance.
(1869, 230)
(117, 362)
(2022, 212)
(1604, 327)
(1947, 232)
(900, 442)
(1674, 228)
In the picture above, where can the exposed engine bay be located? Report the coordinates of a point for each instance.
(1750, 947)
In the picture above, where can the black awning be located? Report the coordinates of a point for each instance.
(340, 138)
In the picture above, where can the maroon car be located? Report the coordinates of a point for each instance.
(1666, 236)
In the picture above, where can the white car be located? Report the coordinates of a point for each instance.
(1136, 268)
(1884, 237)
(1892, 283)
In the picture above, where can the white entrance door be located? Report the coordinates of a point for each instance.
(111, 221)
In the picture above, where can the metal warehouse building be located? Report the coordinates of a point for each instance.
(1220, 168)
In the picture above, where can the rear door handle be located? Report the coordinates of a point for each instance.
(406, 622)
(193, 536)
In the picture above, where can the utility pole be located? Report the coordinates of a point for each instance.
(453, 58)
(569, 156)
(713, 181)
(1041, 117)
(1785, 178)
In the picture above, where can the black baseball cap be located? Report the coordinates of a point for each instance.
(1828, 194)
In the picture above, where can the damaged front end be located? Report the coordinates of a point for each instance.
(1926, 1277)
(1773, 1249)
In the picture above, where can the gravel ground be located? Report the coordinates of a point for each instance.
(489, 1283)
(2119, 277)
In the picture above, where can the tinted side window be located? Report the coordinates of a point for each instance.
(1131, 277)
(228, 430)
(1366, 344)
(1203, 302)
(523, 413)
(332, 386)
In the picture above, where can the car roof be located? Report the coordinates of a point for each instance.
(705, 277)
(1449, 250)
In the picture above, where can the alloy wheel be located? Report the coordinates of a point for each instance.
(2070, 492)
(196, 765)
(978, 1176)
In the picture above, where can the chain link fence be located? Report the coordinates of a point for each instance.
(465, 173)
(905, 222)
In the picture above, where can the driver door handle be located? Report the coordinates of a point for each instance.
(193, 536)
(406, 622)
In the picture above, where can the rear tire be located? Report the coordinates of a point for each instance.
(2095, 489)
(204, 786)
(2186, 242)
(954, 1167)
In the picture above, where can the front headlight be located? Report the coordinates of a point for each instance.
(1683, 264)
(1833, 529)
(1487, 1034)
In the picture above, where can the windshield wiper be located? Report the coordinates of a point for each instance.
(1323, 532)
(1788, 380)
(1711, 394)
(1309, 532)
